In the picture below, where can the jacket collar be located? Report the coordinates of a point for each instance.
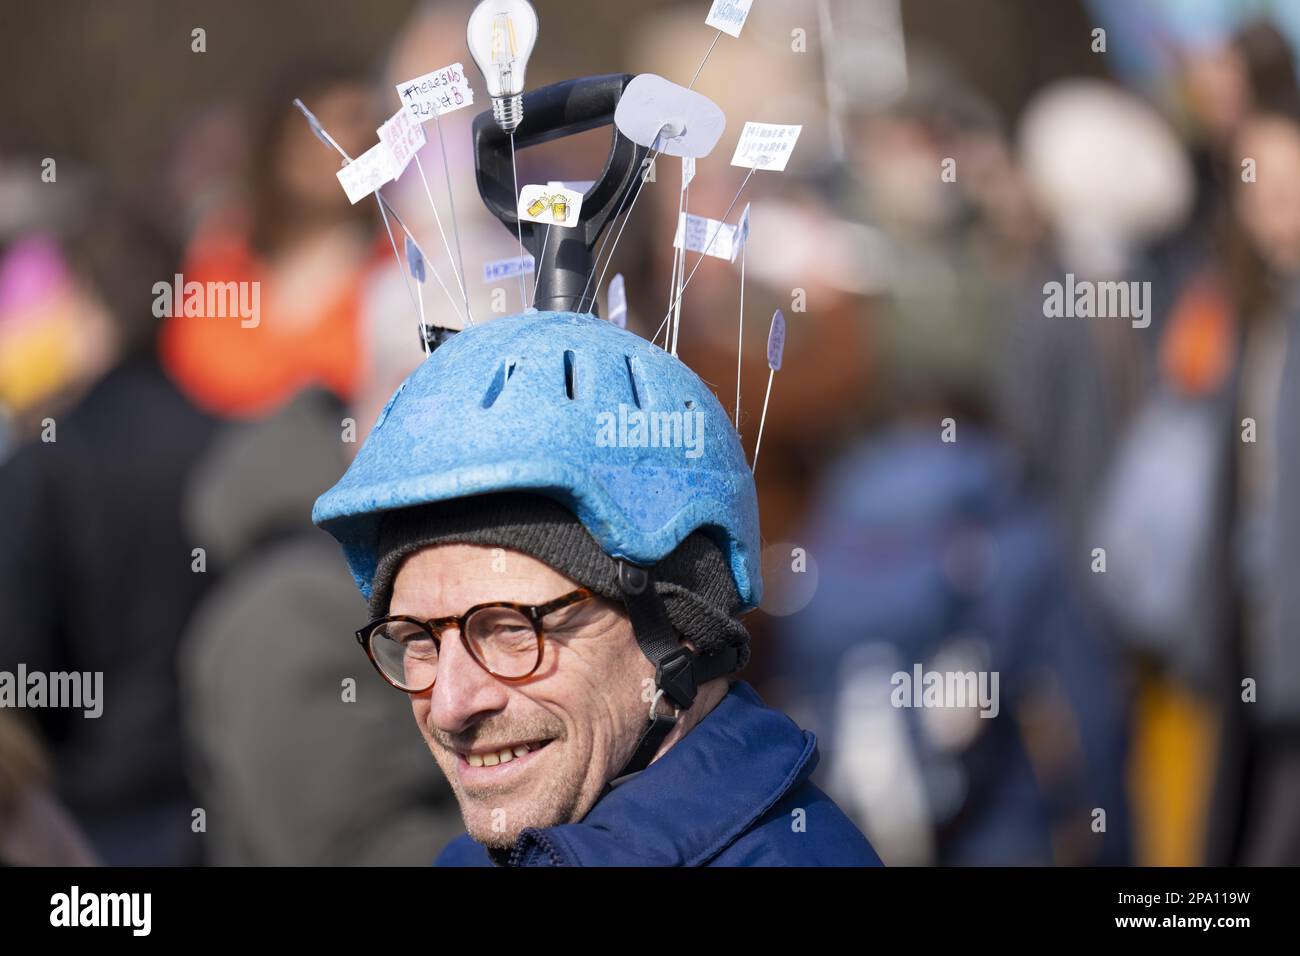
(691, 803)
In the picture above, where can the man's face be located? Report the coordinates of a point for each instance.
(580, 713)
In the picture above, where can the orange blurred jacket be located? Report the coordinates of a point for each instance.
(245, 372)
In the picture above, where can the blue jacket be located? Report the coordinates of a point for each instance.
(732, 792)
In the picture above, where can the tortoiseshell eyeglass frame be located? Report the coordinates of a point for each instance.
(436, 625)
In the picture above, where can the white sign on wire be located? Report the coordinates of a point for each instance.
(437, 93)
(549, 205)
(742, 230)
(707, 236)
(404, 137)
(366, 173)
(765, 146)
(617, 299)
(500, 269)
(729, 16)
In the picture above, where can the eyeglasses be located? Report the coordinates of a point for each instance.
(504, 638)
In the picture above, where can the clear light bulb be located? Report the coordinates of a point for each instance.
(501, 34)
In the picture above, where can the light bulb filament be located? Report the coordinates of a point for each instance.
(503, 37)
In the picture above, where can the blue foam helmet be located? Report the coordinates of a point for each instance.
(563, 405)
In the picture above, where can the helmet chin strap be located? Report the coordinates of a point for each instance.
(679, 671)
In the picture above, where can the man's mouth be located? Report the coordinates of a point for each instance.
(497, 756)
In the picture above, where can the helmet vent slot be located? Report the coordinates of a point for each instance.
(499, 380)
(570, 374)
(631, 379)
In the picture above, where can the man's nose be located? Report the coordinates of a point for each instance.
(464, 691)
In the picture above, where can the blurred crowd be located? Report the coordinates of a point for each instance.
(953, 476)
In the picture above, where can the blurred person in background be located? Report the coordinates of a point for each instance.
(1125, 459)
(287, 765)
(95, 571)
(301, 241)
(54, 342)
(1110, 178)
(1259, 793)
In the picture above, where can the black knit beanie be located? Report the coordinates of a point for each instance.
(694, 581)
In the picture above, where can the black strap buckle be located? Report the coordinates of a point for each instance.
(674, 663)
(675, 676)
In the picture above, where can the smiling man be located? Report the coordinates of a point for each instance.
(564, 613)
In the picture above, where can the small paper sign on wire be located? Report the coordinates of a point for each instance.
(710, 237)
(414, 260)
(366, 173)
(729, 15)
(550, 205)
(742, 232)
(434, 94)
(688, 171)
(775, 346)
(404, 137)
(618, 301)
(765, 146)
(500, 269)
(776, 341)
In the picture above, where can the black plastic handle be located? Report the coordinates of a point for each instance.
(552, 112)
